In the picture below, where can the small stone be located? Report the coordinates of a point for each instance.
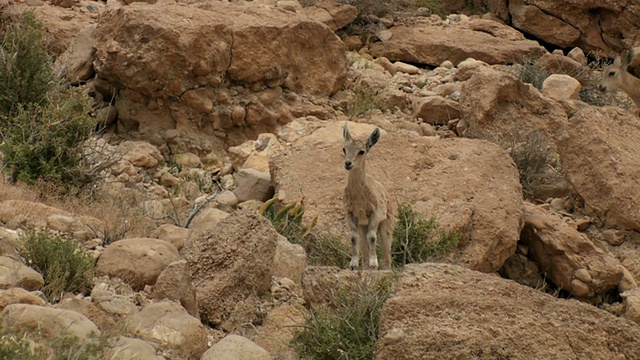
(447, 64)
(406, 68)
(611, 237)
(578, 55)
(227, 198)
(393, 336)
(579, 289)
(583, 275)
(627, 282)
(168, 180)
(385, 35)
(557, 204)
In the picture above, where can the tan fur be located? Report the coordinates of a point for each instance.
(616, 77)
(368, 205)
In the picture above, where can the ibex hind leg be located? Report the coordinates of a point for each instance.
(386, 239)
(352, 223)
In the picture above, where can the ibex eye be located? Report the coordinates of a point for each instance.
(344, 151)
(612, 73)
(361, 152)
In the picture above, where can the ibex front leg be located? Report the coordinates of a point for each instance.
(372, 237)
(352, 222)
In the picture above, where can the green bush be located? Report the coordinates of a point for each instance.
(348, 328)
(417, 240)
(44, 141)
(25, 66)
(366, 100)
(32, 347)
(64, 264)
(328, 250)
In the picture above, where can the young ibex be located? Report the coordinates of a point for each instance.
(369, 209)
(615, 76)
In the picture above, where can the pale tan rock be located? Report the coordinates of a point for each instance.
(628, 282)
(140, 153)
(15, 274)
(435, 110)
(406, 68)
(424, 302)
(174, 283)
(18, 295)
(236, 347)
(533, 20)
(290, 260)
(583, 275)
(137, 261)
(631, 299)
(76, 63)
(561, 87)
(99, 317)
(9, 243)
(126, 348)
(386, 64)
(253, 185)
(175, 235)
(562, 253)
(612, 237)
(49, 322)
(170, 326)
(279, 328)
(187, 160)
(334, 14)
(243, 269)
(112, 302)
(206, 220)
(199, 99)
(578, 55)
(227, 198)
(21, 213)
(167, 179)
(432, 44)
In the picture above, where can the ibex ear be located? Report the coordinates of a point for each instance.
(627, 58)
(373, 139)
(345, 132)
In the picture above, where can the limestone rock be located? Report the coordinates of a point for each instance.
(279, 328)
(137, 261)
(565, 255)
(15, 274)
(533, 20)
(174, 283)
(140, 153)
(631, 300)
(242, 269)
(436, 110)
(446, 178)
(448, 312)
(99, 317)
(236, 347)
(253, 185)
(334, 14)
(598, 162)
(126, 348)
(290, 260)
(76, 63)
(561, 87)
(19, 213)
(171, 327)
(205, 221)
(18, 295)
(175, 235)
(50, 323)
(431, 44)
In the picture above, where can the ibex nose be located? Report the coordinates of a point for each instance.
(348, 165)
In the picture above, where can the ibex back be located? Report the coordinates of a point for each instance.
(369, 210)
(616, 77)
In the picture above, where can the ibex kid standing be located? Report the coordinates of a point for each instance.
(369, 211)
(615, 76)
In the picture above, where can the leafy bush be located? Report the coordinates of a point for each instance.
(434, 7)
(43, 141)
(348, 329)
(366, 100)
(63, 263)
(323, 249)
(416, 240)
(534, 74)
(31, 347)
(25, 66)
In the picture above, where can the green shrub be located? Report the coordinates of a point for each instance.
(417, 240)
(32, 347)
(44, 141)
(328, 250)
(64, 264)
(366, 100)
(25, 66)
(433, 7)
(348, 328)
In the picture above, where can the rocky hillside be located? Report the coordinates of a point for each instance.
(216, 115)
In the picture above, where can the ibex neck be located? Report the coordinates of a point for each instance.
(357, 176)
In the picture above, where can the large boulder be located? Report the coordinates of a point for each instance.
(447, 312)
(231, 266)
(50, 323)
(431, 44)
(600, 156)
(236, 347)
(567, 257)
(18, 295)
(174, 283)
(137, 261)
(14, 273)
(471, 186)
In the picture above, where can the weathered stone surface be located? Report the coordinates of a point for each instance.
(50, 323)
(436, 110)
(76, 63)
(599, 163)
(14, 273)
(170, 326)
(137, 261)
(236, 347)
(565, 255)
(206, 220)
(174, 283)
(126, 348)
(448, 312)
(140, 153)
(432, 44)
(561, 87)
(18, 295)
(447, 178)
(290, 260)
(229, 274)
(532, 20)
(19, 214)
(278, 330)
(253, 185)
(100, 318)
(175, 235)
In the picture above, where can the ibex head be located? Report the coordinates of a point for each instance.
(355, 150)
(613, 75)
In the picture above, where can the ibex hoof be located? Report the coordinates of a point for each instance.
(354, 264)
(373, 264)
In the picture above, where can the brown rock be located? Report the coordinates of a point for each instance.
(174, 283)
(48, 322)
(236, 347)
(76, 63)
(206, 221)
(137, 261)
(476, 313)
(431, 45)
(175, 235)
(279, 328)
(598, 162)
(242, 269)
(15, 274)
(564, 255)
(631, 300)
(289, 261)
(199, 99)
(253, 185)
(140, 153)
(436, 110)
(18, 295)
(561, 87)
(531, 19)
(92, 312)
